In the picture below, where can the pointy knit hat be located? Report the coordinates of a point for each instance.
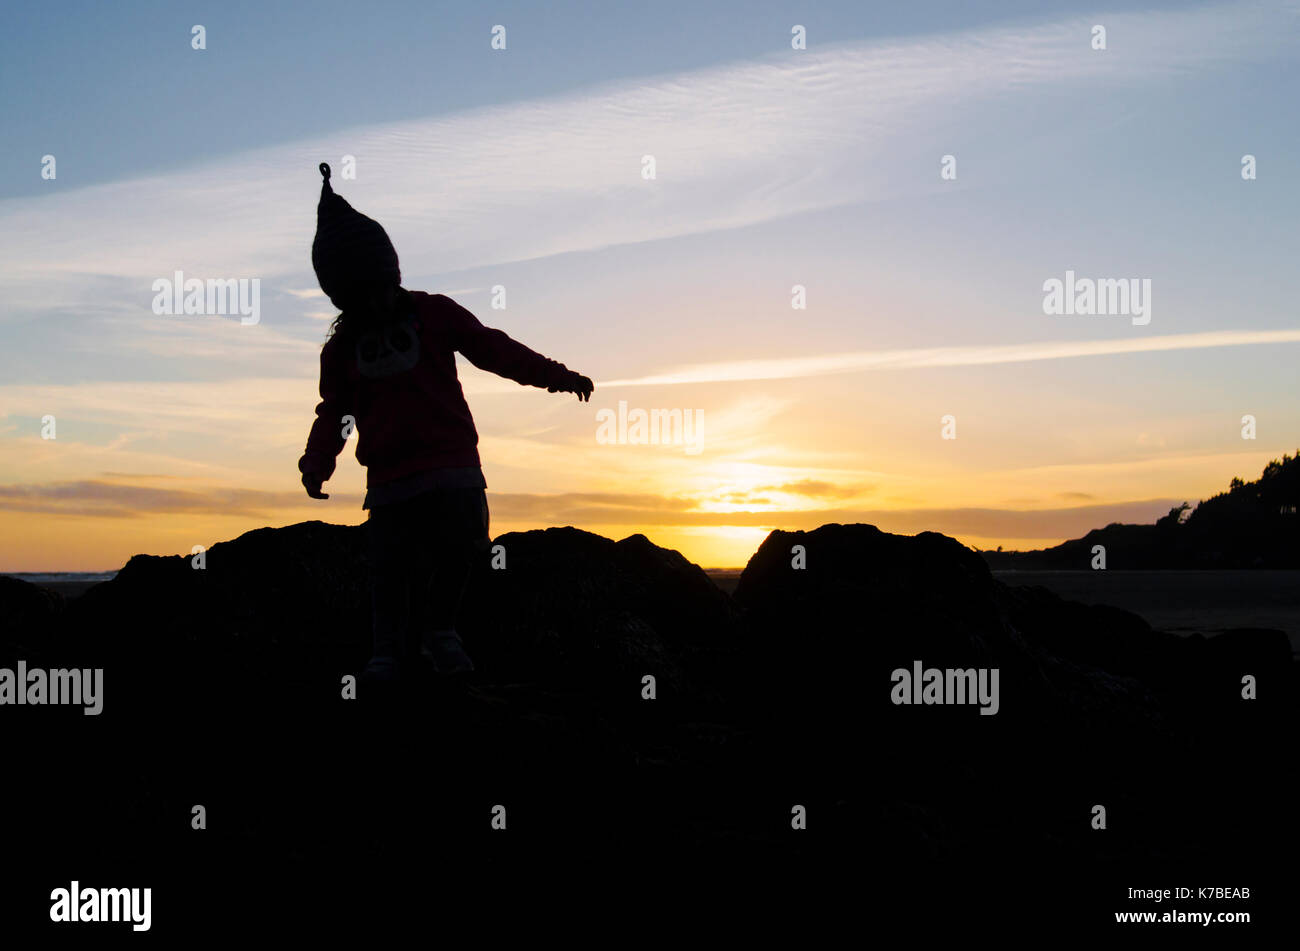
(350, 250)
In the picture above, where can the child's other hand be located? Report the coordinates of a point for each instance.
(312, 482)
(583, 386)
(575, 383)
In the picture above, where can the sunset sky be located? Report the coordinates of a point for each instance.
(774, 167)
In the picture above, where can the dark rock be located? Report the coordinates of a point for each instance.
(231, 678)
(576, 605)
(28, 615)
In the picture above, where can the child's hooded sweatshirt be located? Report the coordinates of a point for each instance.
(399, 385)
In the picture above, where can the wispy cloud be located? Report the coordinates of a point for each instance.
(781, 368)
(734, 144)
(578, 509)
(816, 489)
(104, 499)
(92, 497)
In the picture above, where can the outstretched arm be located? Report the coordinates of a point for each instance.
(495, 351)
(326, 441)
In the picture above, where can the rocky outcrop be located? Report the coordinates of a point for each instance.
(231, 676)
(29, 614)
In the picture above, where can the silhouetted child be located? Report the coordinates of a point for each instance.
(389, 368)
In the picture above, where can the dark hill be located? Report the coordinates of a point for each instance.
(222, 687)
(1252, 525)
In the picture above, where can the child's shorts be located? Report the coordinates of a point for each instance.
(447, 518)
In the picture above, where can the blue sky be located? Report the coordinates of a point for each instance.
(117, 90)
(774, 167)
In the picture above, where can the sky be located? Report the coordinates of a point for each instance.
(525, 168)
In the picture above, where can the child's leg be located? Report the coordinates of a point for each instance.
(446, 589)
(388, 536)
(458, 523)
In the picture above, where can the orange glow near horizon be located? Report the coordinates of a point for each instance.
(698, 528)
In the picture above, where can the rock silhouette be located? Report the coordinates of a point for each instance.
(223, 687)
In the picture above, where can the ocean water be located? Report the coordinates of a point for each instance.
(1183, 602)
(61, 577)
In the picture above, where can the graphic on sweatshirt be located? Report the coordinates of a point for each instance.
(388, 350)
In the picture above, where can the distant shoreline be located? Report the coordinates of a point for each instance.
(67, 584)
(43, 577)
(1183, 601)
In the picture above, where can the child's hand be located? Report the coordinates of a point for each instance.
(575, 383)
(312, 482)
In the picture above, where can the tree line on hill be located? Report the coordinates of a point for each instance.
(1252, 525)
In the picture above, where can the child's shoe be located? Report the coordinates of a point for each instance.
(381, 669)
(445, 651)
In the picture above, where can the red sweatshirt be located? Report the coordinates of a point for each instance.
(400, 386)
